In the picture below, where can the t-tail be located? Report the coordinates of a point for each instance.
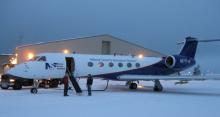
(189, 48)
(185, 59)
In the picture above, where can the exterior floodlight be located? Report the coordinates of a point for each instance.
(140, 56)
(30, 56)
(65, 51)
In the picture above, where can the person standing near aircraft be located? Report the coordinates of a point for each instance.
(66, 84)
(89, 84)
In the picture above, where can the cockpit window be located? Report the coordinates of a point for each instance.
(35, 58)
(42, 58)
(38, 58)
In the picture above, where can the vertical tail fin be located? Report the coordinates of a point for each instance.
(189, 48)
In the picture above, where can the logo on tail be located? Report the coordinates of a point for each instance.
(190, 47)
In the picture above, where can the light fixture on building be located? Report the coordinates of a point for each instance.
(30, 56)
(13, 61)
(140, 56)
(65, 51)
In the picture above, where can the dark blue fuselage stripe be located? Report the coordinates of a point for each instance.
(155, 69)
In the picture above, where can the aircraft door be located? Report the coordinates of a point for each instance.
(70, 67)
(70, 64)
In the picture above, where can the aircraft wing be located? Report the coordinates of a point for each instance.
(167, 77)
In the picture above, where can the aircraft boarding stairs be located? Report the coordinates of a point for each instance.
(74, 83)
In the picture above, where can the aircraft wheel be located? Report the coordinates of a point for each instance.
(158, 89)
(157, 86)
(34, 90)
(133, 86)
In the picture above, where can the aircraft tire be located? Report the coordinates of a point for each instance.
(157, 86)
(133, 86)
(158, 89)
(34, 90)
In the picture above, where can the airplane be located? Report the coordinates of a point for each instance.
(112, 67)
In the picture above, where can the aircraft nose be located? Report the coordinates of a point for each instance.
(18, 71)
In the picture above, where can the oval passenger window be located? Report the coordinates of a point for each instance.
(138, 65)
(90, 64)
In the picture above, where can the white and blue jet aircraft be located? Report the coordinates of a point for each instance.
(110, 67)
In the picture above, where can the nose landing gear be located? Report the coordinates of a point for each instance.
(35, 86)
(34, 90)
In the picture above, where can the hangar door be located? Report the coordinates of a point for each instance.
(106, 47)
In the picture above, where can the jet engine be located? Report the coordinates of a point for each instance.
(170, 61)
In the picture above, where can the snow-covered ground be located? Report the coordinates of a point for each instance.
(196, 99)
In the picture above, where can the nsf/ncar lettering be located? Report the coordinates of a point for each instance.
(52, 66)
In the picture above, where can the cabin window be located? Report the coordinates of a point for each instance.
(42, 58)
(100, 64)
(129, 65)
(111, 64)
(120, 64)
(137, 65)
(90, 64)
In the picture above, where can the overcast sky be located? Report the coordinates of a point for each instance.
(155, 24)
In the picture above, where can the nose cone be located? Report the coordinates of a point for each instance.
(19, 71)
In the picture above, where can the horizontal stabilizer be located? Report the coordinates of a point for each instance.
(190, 46)
(210, 40)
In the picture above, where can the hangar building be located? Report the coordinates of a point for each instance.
(101, 44)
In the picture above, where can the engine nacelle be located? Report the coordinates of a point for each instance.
(170, 61)
(178, 62)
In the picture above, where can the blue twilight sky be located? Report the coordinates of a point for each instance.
(155, 24)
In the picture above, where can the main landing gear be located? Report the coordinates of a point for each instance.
(35, 86)
(131, 85)
(157, 86)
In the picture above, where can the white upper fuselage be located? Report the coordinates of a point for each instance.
(53, 65)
